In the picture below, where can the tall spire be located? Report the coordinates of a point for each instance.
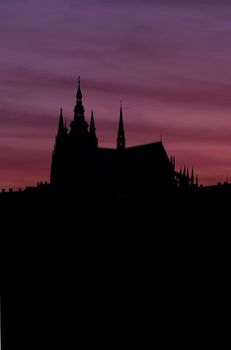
(92, 132)
(61, 123)
(79, 109)
(121, 133)
(79, 93)
(121, 124)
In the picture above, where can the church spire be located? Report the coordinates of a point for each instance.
(92, 132)
(61, 123)
(121, 133)
(79, 109)
(92, 124)
(79, 93)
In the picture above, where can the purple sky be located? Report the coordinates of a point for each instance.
(167, 60)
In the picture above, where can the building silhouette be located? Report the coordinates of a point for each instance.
(111, 243)
(79, 163)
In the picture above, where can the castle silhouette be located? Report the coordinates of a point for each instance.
(42, 271)
(78, 163)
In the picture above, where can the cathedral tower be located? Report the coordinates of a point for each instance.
(79, 126)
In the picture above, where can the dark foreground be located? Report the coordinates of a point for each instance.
(115, 270)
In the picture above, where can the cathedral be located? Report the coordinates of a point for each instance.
(79, 163)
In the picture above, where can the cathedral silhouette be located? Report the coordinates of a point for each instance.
(78, 163)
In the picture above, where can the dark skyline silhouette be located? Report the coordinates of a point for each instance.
(168, 62)
(78, 162)
(124, 247)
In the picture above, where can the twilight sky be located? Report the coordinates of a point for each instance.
(169, 61)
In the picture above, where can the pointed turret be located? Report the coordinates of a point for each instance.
(92, 132)
(121, 133)
(62, 130)
(59, 149)
(61, 123)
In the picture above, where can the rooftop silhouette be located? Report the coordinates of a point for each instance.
(111, 221)
(79, 162)
(80, 165)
